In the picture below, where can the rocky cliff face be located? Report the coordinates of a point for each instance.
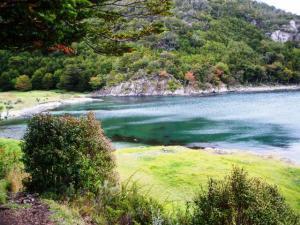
(143, 86)
(290, 32)
(155, 85)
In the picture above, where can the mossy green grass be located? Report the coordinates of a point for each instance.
(10, 145)
(174, 174)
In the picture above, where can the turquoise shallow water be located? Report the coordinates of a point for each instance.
(261, 122)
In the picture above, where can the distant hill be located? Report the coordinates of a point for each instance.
(203, 15)
(264, 16)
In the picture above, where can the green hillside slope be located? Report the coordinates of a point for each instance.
(204, 44)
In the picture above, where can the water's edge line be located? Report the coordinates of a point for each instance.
(210, 92)
(44, 107)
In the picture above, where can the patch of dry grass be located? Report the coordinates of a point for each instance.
(22, 100)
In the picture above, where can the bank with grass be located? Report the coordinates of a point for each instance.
(23, 104)
(173, 174)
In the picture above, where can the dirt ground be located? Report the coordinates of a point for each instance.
(27, 210)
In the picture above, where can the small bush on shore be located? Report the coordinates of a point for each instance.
(239, 199)
(66, 155)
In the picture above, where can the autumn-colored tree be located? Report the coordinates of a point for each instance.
(23, 83)
(62, 48)
(220, 69)
(189, 76)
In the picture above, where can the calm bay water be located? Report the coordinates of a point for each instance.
(261, 122)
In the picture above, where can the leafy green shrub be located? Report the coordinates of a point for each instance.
(65, 155)
(173, 85)
(239, 199)
(48, 81)
(7, 79)
(96, 82)
(37, 78)
(76, 76)
(23, 83)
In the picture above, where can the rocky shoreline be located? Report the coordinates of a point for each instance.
(164, 86)
(212, 91)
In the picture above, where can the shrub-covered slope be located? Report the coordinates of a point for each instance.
(205, 43)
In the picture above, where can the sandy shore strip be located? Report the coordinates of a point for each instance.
(44, 107)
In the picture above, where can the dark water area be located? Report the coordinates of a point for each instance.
(260, 122)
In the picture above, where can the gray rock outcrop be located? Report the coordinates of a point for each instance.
(156, 85)
(290, 32)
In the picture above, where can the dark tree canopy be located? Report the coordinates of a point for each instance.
(106, 24)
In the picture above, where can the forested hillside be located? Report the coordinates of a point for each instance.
(206, 43)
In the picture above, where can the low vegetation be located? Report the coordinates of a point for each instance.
(11, 168)
(4, 186)
(238, 199)
(63, 214)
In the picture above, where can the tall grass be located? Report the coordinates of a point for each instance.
(11, 168)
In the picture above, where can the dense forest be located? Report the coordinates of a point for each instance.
(209, 42)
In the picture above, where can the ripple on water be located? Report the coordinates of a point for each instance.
(262, 122)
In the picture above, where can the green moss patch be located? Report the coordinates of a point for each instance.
(173, 174)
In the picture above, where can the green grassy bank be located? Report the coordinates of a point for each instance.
(10, 145)
(173, 174)
(10, 167)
